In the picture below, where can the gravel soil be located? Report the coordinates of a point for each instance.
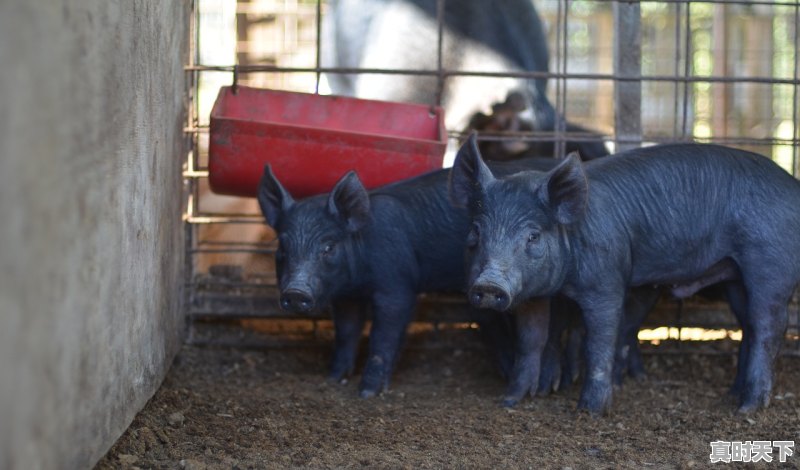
(223, 407)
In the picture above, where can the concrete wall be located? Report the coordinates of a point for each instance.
(91, 116)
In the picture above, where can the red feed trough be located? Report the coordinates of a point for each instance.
(312, 140)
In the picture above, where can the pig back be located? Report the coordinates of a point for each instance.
(671, 211)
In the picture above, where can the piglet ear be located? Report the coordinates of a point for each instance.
(469, 175)
(565, 190)
(349, 201)
(272, 197)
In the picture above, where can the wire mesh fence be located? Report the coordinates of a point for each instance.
(635, 72)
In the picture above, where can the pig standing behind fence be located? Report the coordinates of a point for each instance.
(659, 215)
(479, 35)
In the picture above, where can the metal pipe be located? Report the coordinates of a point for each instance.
(627, 62)
(252, 68)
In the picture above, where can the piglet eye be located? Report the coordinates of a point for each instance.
(534, 237)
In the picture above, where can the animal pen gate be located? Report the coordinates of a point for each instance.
(719, 71)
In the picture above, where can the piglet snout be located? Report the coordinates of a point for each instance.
(296, 300)
(489, 295)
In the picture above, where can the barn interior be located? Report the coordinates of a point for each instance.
(141, 322)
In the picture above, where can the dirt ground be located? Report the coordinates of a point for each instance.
(272, 408)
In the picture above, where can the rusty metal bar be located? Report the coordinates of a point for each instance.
(210, 285)
(580, 137)
(440, 77)
(687, 67)
(677, 66)
(192, 112)
(719, 29)
(787, 3)
(557, 105)
(533, 136)
(203, 220)
(538, 136)
(318, 57)
(202, 172)
(627, 62)
(205, 242)
(231, 251)
(252, 68)
(561, 85)
(795, 91)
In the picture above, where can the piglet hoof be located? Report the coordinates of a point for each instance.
(549, 380)
(517, 390)
(596, 400)
(595, 409)
(510, 402)
(369, 390)
(639, 377)
(337, 379)
(373, 381)
(746, 410)
(751, 405)
(340, 374)
(546, 387)
(595, 413)
(515, 394)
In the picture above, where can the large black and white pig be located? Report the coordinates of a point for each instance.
(478, 35)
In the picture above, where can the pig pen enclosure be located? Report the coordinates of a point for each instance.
(249, 391)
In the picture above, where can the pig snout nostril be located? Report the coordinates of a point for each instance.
(476, 297)
(502, 302)
(489, 296)
(296, 300)
(500, 298)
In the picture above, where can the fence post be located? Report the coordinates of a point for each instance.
(628, 63)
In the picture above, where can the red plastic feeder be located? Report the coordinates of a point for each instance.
(312, 140)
